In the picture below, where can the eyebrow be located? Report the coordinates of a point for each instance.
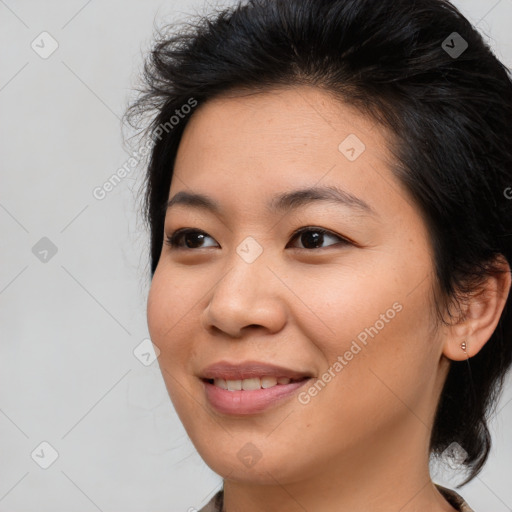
(286, 201)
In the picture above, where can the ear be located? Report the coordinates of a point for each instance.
(481, 314)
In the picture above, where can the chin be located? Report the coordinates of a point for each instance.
(249, 466)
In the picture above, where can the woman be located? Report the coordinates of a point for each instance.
(330, 243)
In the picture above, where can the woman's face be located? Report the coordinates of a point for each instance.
(349, 308)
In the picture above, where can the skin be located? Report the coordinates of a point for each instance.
(361, 443)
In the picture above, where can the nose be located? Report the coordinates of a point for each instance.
(248, 296)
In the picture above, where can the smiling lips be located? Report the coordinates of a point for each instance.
(249, 387)
(250, 384)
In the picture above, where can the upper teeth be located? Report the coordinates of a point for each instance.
(250, 384)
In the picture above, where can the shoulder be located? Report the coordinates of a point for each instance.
(455, 499)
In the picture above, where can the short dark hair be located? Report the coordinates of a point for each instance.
(405, 64)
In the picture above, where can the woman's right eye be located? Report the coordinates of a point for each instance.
(192, 238)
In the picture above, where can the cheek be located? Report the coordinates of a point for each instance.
(159, 310)
(169, 317)
(171, 307)
(384, 365)
(341, 304)
(374, 335)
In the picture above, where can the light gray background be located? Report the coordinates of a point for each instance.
(68, 374)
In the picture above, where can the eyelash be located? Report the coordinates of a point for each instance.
(173, 240)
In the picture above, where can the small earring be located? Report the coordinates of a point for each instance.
(463, 346)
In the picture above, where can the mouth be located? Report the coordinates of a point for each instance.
(252, 384)
(251, 370)
(250, 387)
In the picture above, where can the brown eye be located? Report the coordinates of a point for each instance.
(187, 239)
(313, 238)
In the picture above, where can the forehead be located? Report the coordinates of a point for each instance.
(298, 121)
(295, 123)
(247, 146)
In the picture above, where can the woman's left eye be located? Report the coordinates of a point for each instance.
(316, 236)
(310, 238)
